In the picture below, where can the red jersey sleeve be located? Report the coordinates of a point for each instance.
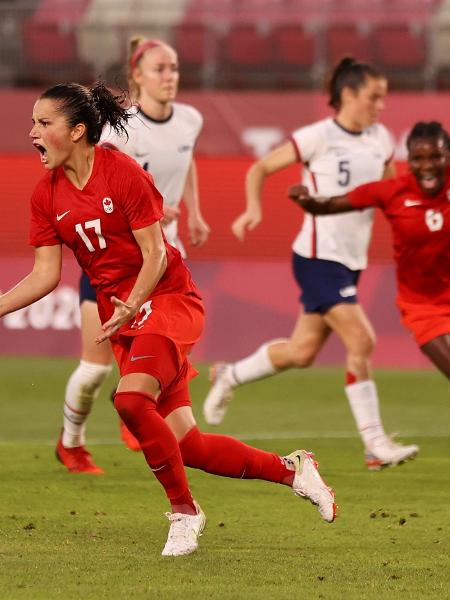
(42, 232)
(371, 194)
(142, 203)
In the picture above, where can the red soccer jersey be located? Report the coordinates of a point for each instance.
(96, 223)
(421, 232)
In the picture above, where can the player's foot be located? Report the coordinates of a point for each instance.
(76, 460)
(128, 438)
(220, 394)
(308, 484)
(184, 532)
(388, 454)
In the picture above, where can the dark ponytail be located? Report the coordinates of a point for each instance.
(349, 73)
(95, 107)
(430, 130)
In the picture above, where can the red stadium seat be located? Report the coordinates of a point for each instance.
(295, 53)
(348, 40)
(401, 52)
(197, 47)
(50, 34)
(400, 46)
(246, 56)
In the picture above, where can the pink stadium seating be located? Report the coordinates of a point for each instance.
(400, 46)
(295, 54)
(246, 55)
(49, 35)
(247, 45)
(193, 42)
(347, 40)
(197, 47)
(294, 45)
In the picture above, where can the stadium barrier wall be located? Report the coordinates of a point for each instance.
(247, 123)
(239, 316)
(248, 289)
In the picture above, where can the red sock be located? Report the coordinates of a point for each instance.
(227, 456)
(159, 445)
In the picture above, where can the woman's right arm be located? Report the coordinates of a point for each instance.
(41, 281)
(319, 206)
(278, 159)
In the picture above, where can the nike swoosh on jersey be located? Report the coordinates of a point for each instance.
(62, 215)
(133, 358)
(412, 202)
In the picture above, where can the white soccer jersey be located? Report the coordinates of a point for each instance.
(164, 149)
(336, 161)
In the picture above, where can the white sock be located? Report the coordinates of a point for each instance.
(363, 399)
(81, 390)
(256, 366)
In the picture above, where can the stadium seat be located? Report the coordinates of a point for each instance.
(409, 11)
(401, 52)
(348, 40)
(295, 53)
(197, 47)
(246, 57)
(399, 45)
(49, 34)
(50, 39)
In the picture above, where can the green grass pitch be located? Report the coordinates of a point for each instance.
(75, 536)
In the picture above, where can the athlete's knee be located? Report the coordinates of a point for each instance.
(361, 343)
(131, 405)
(303, 355)
(89, 376)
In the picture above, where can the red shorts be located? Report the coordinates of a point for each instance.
(425, 321)
(158, 343)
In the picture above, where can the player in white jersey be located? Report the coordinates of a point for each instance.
(165, 148)
(328, 254)
(162, 136)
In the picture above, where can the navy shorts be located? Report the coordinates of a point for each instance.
(324, 283)
(87, 292)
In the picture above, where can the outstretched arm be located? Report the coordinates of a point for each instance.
(319, 206)
(276, 160)
(41, 281)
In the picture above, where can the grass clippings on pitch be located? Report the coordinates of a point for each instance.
(75, 536)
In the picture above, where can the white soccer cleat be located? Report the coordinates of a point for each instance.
(184, 532)
(220, 394)
(308, 484)
(388, 454)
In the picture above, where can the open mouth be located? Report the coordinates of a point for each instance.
(42, 152)
(429, 182)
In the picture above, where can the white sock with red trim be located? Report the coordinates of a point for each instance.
(363, 399)
(81, 390)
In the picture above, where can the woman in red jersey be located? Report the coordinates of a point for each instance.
(417, 206)
(160, 132)
(105, 208)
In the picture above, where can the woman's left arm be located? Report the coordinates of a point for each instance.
(154, 264)
(198, 228)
